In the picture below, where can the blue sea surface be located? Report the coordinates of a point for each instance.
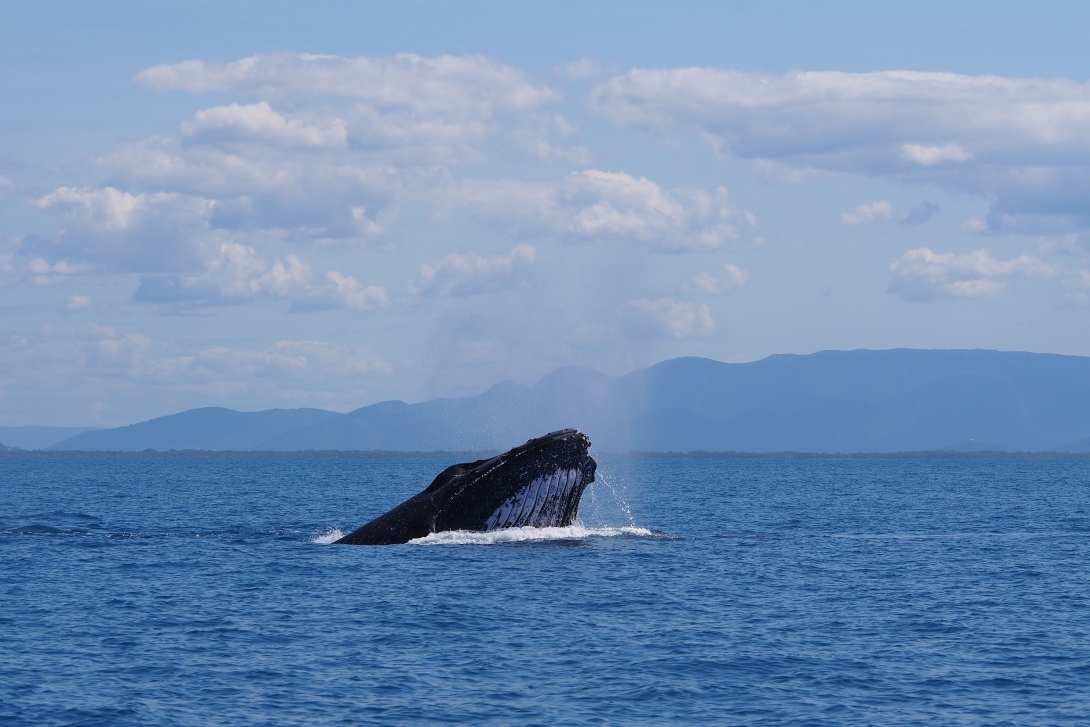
(201, 592)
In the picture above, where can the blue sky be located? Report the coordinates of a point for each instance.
(265, 205)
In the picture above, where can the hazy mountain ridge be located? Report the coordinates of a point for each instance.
(37, 437)
(832, 401)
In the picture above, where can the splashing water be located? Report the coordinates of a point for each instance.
(606, 503)
(524, 535)
(331, 536)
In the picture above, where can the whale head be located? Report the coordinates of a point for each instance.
(538, 484)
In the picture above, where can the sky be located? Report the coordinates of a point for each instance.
(259, 205)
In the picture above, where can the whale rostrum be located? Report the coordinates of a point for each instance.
(538, 484)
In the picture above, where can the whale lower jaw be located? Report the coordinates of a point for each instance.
(549, 501)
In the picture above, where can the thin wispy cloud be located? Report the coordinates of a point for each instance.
(666, 318)
(921, 274)
(602, 205)
(461, 274)
(879, 211)
(728, 278)
(1026, 142)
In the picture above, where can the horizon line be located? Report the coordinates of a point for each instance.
(919, 455)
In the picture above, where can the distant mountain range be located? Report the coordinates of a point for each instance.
(37, 437)
(832, 401)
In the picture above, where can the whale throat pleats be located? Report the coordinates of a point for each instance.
(544, 503)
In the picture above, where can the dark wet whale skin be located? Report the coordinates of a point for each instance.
(539, 483)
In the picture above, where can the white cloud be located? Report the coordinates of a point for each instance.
(42, 272)
(879, 211)
(582, 69)
(882, 211)
(463, 85)
(349, 293)
(325, 198)
(599, 205)
(78, 302)
(929, 156)
(239, 274)
(922, 274)
(330, 153)
(107, 209)
(666, 318)
(470, 274)
(168, 238)
(7, 188)
(296, 359)
(113, 231)
(781, 173)
(258, 122)
(336, 145)
(1023, 142)
(94, 354)
(728, 279)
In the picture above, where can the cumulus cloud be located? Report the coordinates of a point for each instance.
(599, 205)
(879, 211)
(582, 69)
(425, 109)
(168, 238)
(328, 153)
(922, 275)
(470, 274)
(929, 156)
(298, 359)
(239, 274)
(94, 352)
(1023, 142)
(666, 318)
(312, 194)
(78, 302)
(109, 230)
(882, 211)
(729, 278)
(259, 123)
(42, 272)
(469, 85)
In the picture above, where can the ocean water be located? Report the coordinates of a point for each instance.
(203, 592)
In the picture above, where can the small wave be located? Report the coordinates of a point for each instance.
(527, 534)
(36, 529)
(331, 536)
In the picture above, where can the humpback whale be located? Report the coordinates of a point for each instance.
(538, 484)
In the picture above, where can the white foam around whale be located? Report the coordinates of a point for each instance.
(329, 537)
(527, 534)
